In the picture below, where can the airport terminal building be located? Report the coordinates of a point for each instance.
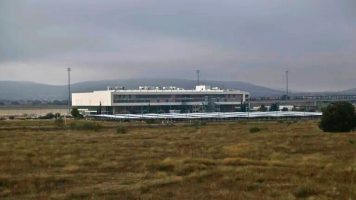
(145, 99)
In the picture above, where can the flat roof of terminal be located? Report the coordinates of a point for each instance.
(147, 89)
(171, 91)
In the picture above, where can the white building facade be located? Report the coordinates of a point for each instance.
(160, 100)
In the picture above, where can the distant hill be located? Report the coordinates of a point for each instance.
(350, 91)
(17, 90)
(343, 92)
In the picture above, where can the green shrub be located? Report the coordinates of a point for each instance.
(73, 125)
(196, 123)
(92, 126)
(338, 117)
(304, 193)
(11, 117)
(2, 119)
(150, 121)
(351, 141)
(75, 113)
(288, 123)
(49, 116)
(59, 122)
(97, 127)
(255, 129)
(242, 122)
(121, 130)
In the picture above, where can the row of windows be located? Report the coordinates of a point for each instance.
(122, 96)
(176, 96)
(131, 101)
(162, 100)
(153, 96)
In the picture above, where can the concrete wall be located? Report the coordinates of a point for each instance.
(92, 98)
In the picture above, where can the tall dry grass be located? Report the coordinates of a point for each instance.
(215, 161)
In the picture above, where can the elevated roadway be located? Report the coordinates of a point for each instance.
(302, 99)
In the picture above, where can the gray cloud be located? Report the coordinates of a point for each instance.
(252, 41)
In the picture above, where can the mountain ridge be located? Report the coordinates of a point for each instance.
(26, 90)
(23, 90)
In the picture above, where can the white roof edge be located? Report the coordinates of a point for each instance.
(164, 91)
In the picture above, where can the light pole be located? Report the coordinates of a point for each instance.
(198, 71)
(287, 82)
(69, 101)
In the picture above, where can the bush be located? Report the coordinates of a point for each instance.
(59, 122)
(284, 109)
(199, 123)
(11, 117)
(150, 121)
(288, 123)
(57, 115)
(49, 116)
(304, 193)
(73, 125)
(92, 126)
(121, 130)
(255, 129)
(338, 117)
(75, 113)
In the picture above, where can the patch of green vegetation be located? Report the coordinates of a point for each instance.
(121, 130)
(59, 122)
(255, 129)
(73, 125)
(92, 126)
(304, 193)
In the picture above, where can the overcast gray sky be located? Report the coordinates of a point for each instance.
(254, 41)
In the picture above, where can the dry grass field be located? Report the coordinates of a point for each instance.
(215, 161)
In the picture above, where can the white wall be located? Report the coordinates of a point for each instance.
(202, 87)
(92, 98)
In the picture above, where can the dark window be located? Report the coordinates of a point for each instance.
(152, 96)
(131, 101)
